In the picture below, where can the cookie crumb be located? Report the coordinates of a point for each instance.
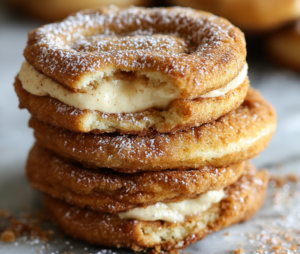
(226, 234)
(238, 251)
(294, 247)
(276, 247)
(277, 181)
(26, 225)
(8, 236)
(289, 238)
(279, 234)
(292, 178)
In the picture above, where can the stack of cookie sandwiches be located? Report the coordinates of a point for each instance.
(144, 122)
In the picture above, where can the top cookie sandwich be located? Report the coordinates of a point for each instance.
(134, 71)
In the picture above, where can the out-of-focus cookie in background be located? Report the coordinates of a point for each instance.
(251, 16)
(268, 25)
(55, 10)
(284, 46)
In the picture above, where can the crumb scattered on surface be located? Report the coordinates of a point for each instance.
(238, 251)
(26, 225)
(292, 178)
(294, 247)
(276, 247)
(279, 181)
(226, 234)
(279, 233)
(8, 236)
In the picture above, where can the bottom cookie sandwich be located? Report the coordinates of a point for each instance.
(240, 201)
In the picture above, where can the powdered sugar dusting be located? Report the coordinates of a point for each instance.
(98, 43)
(173, 41)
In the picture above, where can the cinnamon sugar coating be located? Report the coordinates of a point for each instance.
(235, 137)
(249, 15)
(180, 114)
(194, 51)
(243, 199)
(111, 192)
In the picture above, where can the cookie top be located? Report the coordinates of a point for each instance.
(194, 51)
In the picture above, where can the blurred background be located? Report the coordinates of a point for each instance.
(273, 41)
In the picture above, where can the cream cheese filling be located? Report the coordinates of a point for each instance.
(175, 212)
(113, 95)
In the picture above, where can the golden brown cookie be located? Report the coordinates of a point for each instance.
(243, 199)
(180, 114)
(205, 52)
(109, 191)
(235, 137)
(249, 15)
(134, 70)
(284, 46)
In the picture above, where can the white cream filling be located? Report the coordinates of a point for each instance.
(175, 212)
(113, 95)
